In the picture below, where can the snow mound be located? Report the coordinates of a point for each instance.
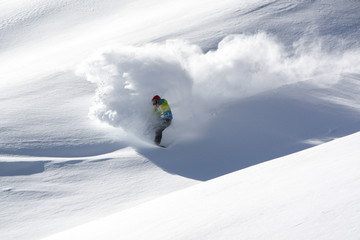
(299, 196)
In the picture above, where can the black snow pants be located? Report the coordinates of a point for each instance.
(163, 124)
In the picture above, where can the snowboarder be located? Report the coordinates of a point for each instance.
(164, 117)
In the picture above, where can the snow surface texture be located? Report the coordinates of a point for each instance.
(237, 206)
(248, 81)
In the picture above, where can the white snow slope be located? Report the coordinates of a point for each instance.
(304, 198)
(248, 82)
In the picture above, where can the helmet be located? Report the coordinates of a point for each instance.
(156, 97)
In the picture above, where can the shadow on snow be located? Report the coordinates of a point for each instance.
(256, 130)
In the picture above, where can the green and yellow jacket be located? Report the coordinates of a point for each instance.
(163, 109)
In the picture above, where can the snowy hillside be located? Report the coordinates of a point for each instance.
(248, 82)
(293, 197)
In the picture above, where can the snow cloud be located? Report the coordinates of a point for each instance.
(242, 65)
(128, 78)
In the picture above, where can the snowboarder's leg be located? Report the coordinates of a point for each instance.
(158, 136)
(158, 132)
